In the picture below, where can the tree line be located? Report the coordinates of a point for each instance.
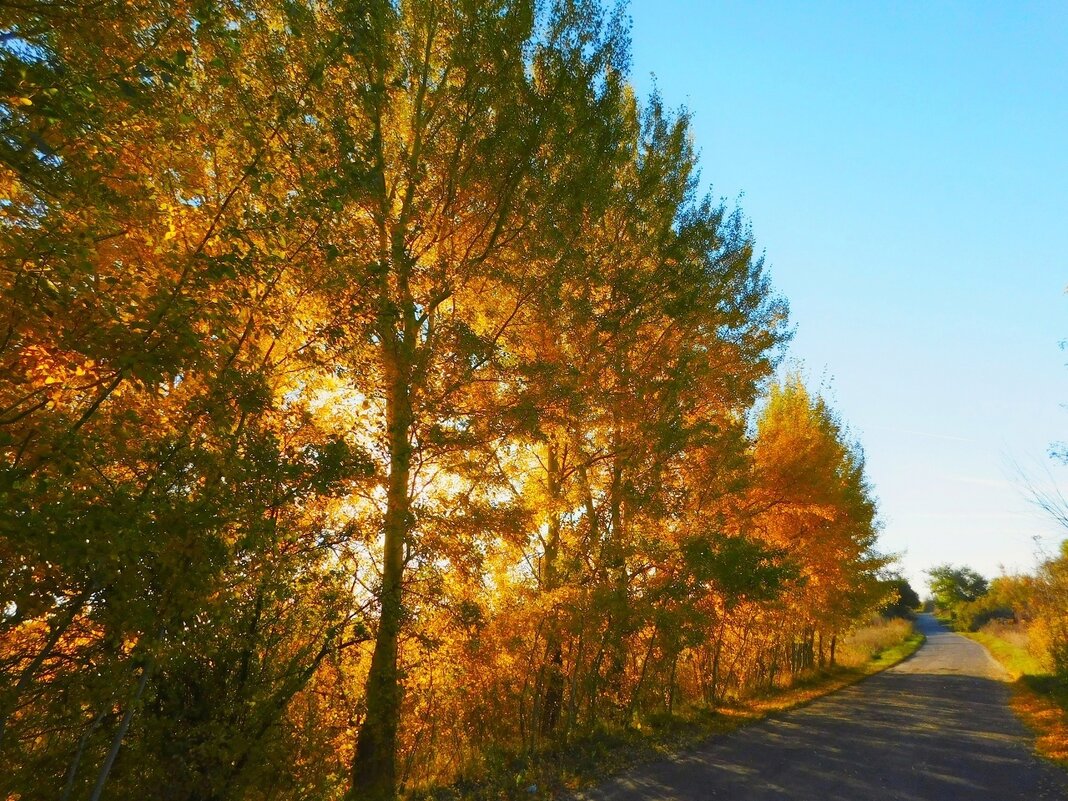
(380, 395)
(1035, 604)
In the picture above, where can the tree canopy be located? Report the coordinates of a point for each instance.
(379, 393)
(953, 586)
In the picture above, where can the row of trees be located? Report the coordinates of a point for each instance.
(377, 395)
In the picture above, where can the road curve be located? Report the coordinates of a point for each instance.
(937, 727)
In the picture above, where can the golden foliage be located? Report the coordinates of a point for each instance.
(374, 405)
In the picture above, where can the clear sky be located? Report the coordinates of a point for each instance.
(905, 168)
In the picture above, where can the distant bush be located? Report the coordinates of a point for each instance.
(955, 587)
(1006, 598)
(905, 602)
(1029, 610)
(974, 616)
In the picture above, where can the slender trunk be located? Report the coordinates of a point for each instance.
(374, 766)
(593, 686)
(834, 645)
(247, 652)
(587, 500)
(120, 733)
(549, 568)
(374, 771)
(671, 685)
(717, 650)
(573, 688)
(616, 559)
(72, 771)
(554, 682)
(554, 690)
(641, 677)
(741, 651)
(619, 617)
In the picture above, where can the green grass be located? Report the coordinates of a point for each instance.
(889, 657)
(1018, 661)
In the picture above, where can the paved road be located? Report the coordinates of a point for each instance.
(935, 728)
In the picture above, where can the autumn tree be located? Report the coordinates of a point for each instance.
(1052, 597)
(458, 109)
(813, 500)
(161, 480)
(377, 395)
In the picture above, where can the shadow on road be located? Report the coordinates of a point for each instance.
(936, 728)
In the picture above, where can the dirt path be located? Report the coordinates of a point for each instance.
(935, 728)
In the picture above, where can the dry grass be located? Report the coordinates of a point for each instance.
(870, 641)
(1016, 634)
(867, 650)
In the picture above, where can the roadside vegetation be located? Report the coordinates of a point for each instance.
(382, 402)
(874, 646)
(1023, 621)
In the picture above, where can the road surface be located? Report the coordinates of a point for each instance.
(936, 727)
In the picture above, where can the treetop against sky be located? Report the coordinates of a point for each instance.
(903, 165)
(382, 396)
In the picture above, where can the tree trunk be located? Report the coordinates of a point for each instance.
(120, 733)
(593, 685)
(634, 697)
(671, 684)
(573, 691)
(619, 615)
(554, 690)
(713, 692)
(554, 682)
(374, 770)
(374, 766)
(72, 770)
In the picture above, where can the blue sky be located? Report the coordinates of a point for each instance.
(905, 168)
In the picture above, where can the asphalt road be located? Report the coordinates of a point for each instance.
(937, 727)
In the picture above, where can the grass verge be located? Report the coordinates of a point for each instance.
(1038, 698)
(1016, 660)
(586, 761)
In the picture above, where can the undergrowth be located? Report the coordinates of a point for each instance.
(594, 756)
